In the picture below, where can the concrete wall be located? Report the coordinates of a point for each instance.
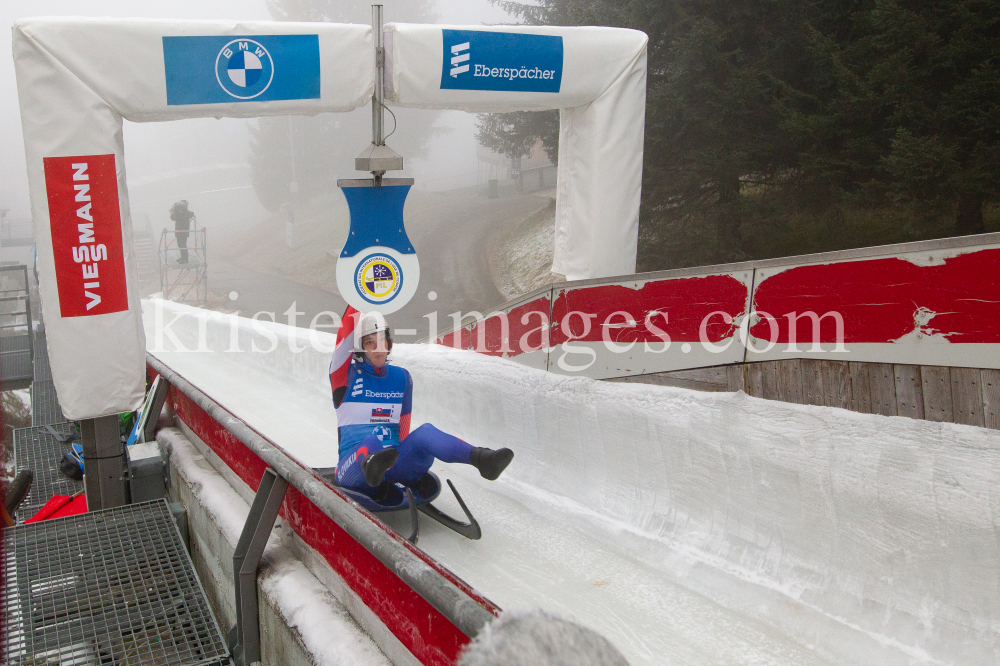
(302, 621)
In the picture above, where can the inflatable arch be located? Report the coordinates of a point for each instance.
(78, 78)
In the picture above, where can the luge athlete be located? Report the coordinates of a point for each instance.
(373, 414)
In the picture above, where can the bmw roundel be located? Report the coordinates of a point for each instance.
(244, 68)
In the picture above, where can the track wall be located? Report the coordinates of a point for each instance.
(908, 330)
(392, 601)
(926, 303)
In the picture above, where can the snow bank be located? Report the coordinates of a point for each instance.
(887, 526)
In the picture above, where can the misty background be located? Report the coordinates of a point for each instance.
(265, 189)
(156, 148)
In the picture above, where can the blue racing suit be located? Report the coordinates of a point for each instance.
(375, 413)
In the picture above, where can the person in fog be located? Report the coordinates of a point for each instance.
(537, 638)
(373, 415)
(182, 217)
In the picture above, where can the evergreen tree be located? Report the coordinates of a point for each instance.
(937, 69)
(515, 134)
(764, 111)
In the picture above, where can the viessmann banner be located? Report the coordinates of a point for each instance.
(86, 228)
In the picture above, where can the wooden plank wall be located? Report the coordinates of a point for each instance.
(956, 395)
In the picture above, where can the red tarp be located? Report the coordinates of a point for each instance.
(60, 506)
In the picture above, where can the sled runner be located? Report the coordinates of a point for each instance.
(402, 498)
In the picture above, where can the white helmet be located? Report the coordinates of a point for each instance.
(368, 324)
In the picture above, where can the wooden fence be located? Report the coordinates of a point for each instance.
(936, 393)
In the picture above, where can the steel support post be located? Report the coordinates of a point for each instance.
(103, 462)
(160, 388)
(378, 122)
(244, 638)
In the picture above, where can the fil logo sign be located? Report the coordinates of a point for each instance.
(230, 68)
(86, 229)
(378, 270)
(508, 61)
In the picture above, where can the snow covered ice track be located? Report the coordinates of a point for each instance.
(688, 528)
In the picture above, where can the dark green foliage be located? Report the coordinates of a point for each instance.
(515, 134)
(785, 126)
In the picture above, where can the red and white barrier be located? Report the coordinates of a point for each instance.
(936, 306)
(634, 327)
(929, 303)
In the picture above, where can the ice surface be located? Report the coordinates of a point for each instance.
(687, 527)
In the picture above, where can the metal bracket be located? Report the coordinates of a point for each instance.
(160, 388)
(104, 461)
(244, 638)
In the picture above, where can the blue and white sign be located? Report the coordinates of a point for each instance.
(487, 60)
(221, 69)
(378, 270)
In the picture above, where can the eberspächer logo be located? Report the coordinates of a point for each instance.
(508, 61)
(244, 68)
(378, 278)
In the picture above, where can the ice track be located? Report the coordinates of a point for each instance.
(688, 528)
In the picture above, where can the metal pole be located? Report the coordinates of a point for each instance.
(103, 462)
(244, 638)
(378, 132)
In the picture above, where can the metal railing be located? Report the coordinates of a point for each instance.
(454, 603)
(16, 331)
(14, 288)
(16, 233)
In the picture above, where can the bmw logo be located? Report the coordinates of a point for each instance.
(244, 68)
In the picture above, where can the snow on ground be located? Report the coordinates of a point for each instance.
(687, 527)
(522, 260)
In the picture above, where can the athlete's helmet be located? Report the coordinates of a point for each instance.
(367, 325)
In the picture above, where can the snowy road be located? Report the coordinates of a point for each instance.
(688, 528)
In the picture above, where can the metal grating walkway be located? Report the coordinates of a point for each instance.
(43, 371)
(15, 361)
(108, 587)
(45, 409)
(39, 451)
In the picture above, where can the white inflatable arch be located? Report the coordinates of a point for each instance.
(78, 78)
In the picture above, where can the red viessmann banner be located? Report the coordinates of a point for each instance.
(86, 229)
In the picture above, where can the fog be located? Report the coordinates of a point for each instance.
(247, 180)
(156, 147)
